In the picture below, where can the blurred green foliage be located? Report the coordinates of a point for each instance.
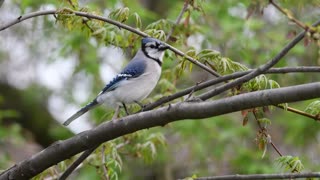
(226, 35)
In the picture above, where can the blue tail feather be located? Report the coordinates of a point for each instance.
(83, 110)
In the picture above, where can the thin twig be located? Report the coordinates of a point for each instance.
(315, 117)
(104, 167)
(88, 26)
(291, 17)
(264, 131)
(70, 2)
(183, 10)
(262, 176)
(276, 148)
(110, 21)
(27, 16)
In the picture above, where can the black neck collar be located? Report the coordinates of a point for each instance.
(155, 59)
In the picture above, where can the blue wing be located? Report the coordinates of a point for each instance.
(134, 69)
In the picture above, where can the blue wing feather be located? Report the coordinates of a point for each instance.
(134, 69)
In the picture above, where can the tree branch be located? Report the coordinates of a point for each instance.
(263, 176)
(202, 85)
(308, 69)
(77, 162)
(257, 71)
(183, 10)
(107, 131)
(110, 21)
(85, 154)
(291, 17)
(302, 113)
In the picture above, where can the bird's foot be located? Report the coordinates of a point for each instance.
(125, 109)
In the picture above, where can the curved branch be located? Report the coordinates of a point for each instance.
(27, 16)
(202, 85)
(263, 176)
(110, 21)
(257, 71)
(187, 110)
(299, 69)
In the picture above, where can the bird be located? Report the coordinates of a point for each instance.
(134, 83)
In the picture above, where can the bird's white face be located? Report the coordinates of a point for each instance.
(155, 50)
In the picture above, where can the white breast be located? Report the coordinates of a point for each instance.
(134, 89)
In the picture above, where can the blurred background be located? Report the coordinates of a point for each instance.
(48, 71)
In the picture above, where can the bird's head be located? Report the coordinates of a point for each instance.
(153, 48)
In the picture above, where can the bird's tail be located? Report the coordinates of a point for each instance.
(83, 110)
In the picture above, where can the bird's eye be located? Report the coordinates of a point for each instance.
(152, 46)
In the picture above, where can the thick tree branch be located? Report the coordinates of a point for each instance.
(263, 176)
(107, 131)
(257, 71)
(110, 21)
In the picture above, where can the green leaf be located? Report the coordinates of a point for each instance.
(290, 163)
(159, 34)
(225, 65)
(161, 24)
(121, 14)
(157, 138)
(273, 84)
(313, 108)
(208, 54)
(137, 20)
(191, 52)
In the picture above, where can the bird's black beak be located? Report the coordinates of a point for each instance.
(163, 47)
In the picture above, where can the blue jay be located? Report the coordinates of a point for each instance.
(135, 82)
